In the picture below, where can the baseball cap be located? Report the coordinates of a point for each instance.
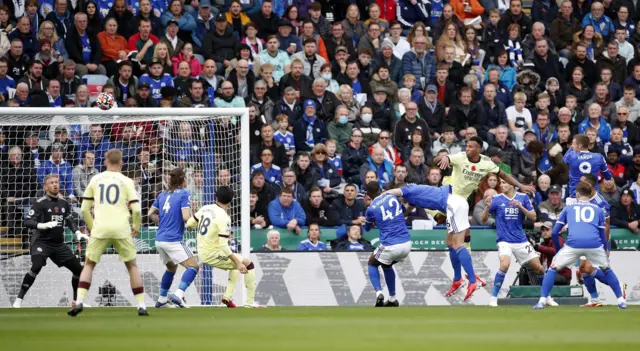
(530, 130)
(172, 22)
(284, 23)
(309, 103)
(144, 85)
(547, 224)
(155, 61)
(61, 129)
(555, 189)
(205, 4)
(381, 90)
(432, 87)
(220, 17)
(342, 48)
(628, 192)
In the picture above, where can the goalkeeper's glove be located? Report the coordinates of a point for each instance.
(48, 225)
(81, 236)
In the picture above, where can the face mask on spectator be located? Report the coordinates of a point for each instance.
(326, 76)
(366, 118)
(343, 119)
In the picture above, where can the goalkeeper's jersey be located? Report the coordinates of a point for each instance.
(214, 227)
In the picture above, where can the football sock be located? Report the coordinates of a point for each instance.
(139, 294)
(250, 283)
(83, 289)
(187, 278)
(455, 263)
(602, 278)
(28, 280)
(590, 284)
(497, 282)
(540, 278)
(74, 285)
(613, 282)
(231, 283)
(165, 285)
(390, 279)
(547, 283)
(374, 276)
(467, 263)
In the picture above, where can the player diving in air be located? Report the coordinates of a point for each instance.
(468, 168)
(213, 230)
(387, 214)
(510, 209)
(171, 210)
(586, 237)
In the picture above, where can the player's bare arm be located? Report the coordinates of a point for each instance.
(442, 161)
(513, 181)
(153, 215)
(487, 206)
(531, 215)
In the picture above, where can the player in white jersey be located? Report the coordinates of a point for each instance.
(214, 227)
(112, 195)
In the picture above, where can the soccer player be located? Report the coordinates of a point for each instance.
(171, 210)
(214, 226)
(112, 195)
(387, 214)
(457, 212)
(47, 218)
(586, 237)
(588, 272)
(510, 209)
(468, 169)
(581, 162)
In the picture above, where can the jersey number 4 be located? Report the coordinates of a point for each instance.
(111, 194)
(584, 214)
(394, 210)
(167, 204)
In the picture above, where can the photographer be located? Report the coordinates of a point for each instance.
(547, 251)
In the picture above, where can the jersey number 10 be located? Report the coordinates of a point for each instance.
(391, 213)
(584, 214)
(111, 194)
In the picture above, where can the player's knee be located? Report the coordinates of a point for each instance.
(386, 267)
(131, 264)
(37, 262)
(74, 266)
(373, 261)
(172, 267)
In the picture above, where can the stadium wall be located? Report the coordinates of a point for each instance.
(295, 279)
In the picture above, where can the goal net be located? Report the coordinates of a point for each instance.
(35, 142)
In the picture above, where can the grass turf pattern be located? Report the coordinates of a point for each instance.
(323, 328)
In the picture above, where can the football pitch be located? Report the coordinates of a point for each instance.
(323, 328)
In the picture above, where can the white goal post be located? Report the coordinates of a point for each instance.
(211, 144)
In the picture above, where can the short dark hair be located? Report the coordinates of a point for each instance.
(286, 190)
(591, 179)
(582, 140)
(478, 140)
(224, 195)
(196, 81)
(258, 172)
(373, 189)
(309, 41)
(583, 189)
(125, 63)
(535, 147)
(351, 185)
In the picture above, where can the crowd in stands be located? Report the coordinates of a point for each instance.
(340, 93)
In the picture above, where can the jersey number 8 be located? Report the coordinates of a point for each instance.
(584, 214)
(391, 213)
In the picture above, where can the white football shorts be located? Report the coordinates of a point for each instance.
(176, 251)
(457, 214)
(392, 253)
(523, 252)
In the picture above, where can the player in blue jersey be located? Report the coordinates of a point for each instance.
(587, 271)
(171, 210)
(457, 209)
(156, 79)
(510, 209)
(586, 223)
(582, 162)
(387, 214)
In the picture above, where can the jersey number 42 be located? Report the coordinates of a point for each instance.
(394, 210)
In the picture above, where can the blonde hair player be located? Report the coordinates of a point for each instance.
(112, 195)
(213, 230)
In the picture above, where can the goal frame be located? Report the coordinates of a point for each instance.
(11, 116)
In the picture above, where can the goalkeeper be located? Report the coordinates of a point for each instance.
(47, 218)
(213, 230)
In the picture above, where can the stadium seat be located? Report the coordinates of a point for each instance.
(95, 82)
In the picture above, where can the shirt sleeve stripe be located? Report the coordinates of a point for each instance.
(87, 198)
(561, 222)
(133, 201)
(196, 218)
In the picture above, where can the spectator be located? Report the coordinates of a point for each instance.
(266, 20)
(550, 209)
(609, 191)
(629, 130)
(310, 59)
(273, 236)
(318, 210)
(544, 12)
(353, 241)
(96, 142)
(278, 150)
(420, 63)
(377, 163)
(354, 155)
(34, 155)
(289, 43)
(47, 32)
(205, 22)
(124, 84)
(145, 11)
(114, 46)
(547, 251)
(128, 144)
(514, 15)
(228, 97)
(34, 78)
(633, 79)
(259, 217)
(410, 13)
(278, 58)
(143, 96)
(83, 172)
(447, 141)
(266, 193)
(220, 44)
(312, 243)
(17, 61)
(416, 169)
(296, 79)
(24, 33)
(597, 121)
(289, 105)
(285, 212)
(272, 173)
(144, 43)
(329, 176)
(61, 18)
(57, 165)
(350, 210)
(602, 23)
(305, 174)
(406, 125)
(629, 101)
(480, 206)
(563, 28)
(626, 212)
(289, 181)
(60, 135)
(381, 13)
(18, 185)
(6, 81)
(183, 79)
(340, 128)
(237, 19)
(84, 48)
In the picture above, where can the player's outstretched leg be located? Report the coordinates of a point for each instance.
(390, 279)
(374, 277)
(227, 298)
(587, 268)
(614, 283)
(547, 285)
(37, 262)
(83, 287)
(188, 276)
(136, 286)
(165, 285)
(457, 270)
(250, 283)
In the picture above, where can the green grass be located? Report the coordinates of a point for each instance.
(326, 329)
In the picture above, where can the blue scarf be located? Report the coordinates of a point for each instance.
(309, 138)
